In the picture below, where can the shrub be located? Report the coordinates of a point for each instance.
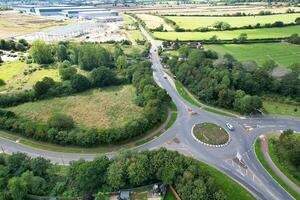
(61, 121)
(2, 82)
(80, 83)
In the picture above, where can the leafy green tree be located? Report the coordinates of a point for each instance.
(2, 82)
(66, 71)
(61, 53)
(196, 57)
(103, 76)
(80, 83)
(39, 166)
(61, 121)
(42, 87)
(121, 62)
(242, 37)
(18, 163)
(17, 188)
(41, 52)
(116, 175)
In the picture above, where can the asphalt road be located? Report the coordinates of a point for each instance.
(179, 138)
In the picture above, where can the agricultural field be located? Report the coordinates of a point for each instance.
(101, 108)
(14, 24)
(262, 33)
(284, 54)
(201, 9)
(193, 22)
(153, 21)
(19, 75)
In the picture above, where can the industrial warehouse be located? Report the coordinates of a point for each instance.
(81, 12)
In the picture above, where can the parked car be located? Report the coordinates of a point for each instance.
(230, 127)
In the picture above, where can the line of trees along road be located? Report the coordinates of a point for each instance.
(227, 83)
(102, 70)
(21, 175)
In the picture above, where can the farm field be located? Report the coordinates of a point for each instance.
(284, 54)
(13, 23)
(262, 33)
(193, 22)
(15, 78)
(201, 9)
(102, 108)
(153, 21)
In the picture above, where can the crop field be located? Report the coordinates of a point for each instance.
(193, 22)
(153, 21)
(13, 23)
(262, 33)
(102, 108)
(201, 9)
(15, 78)
(283, 54)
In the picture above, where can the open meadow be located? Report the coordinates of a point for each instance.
(101, 108)
(19, 75)
(193, 22)
(14, 24)
(284, 54)
(261, 33)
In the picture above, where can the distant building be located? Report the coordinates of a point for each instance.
(74, 12)
(124, 195)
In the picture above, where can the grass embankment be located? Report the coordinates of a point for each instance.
(232, 189)
(210, 133)
(180, 89)
(262, 33)
(264, 163)
(283, 54)
(274, 108)
(101, 108)
(193, 22)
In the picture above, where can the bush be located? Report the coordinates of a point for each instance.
(61, 121)
(80, 83)
(2, 82)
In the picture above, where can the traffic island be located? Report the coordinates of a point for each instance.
(210, 134)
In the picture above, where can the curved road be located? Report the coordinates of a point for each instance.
(254, 178)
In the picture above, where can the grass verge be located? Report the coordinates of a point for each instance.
(180, 89)
(232, 189)
(213, 110)
(264, 163)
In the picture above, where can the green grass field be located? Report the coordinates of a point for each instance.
(13, 74)
(193, 22)
(283, 54)
(275, 108)
(210, 133)
(102, 108)
(262, 33)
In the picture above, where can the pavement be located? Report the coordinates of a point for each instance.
(179, 138)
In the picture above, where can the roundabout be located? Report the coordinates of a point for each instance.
(210, 134)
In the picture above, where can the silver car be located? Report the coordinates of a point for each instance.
(230, 127)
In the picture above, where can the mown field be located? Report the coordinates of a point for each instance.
(275, 108)
(153, 21)
(262, 33)
(109, 107)
(284, 54)
(193, 22)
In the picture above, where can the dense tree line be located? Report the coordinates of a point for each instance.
(104, 69)
(228, 83)
(22, 176)
(287, 149)
(20, 45)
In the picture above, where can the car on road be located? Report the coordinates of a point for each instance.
(165, 77)
(230, 127)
